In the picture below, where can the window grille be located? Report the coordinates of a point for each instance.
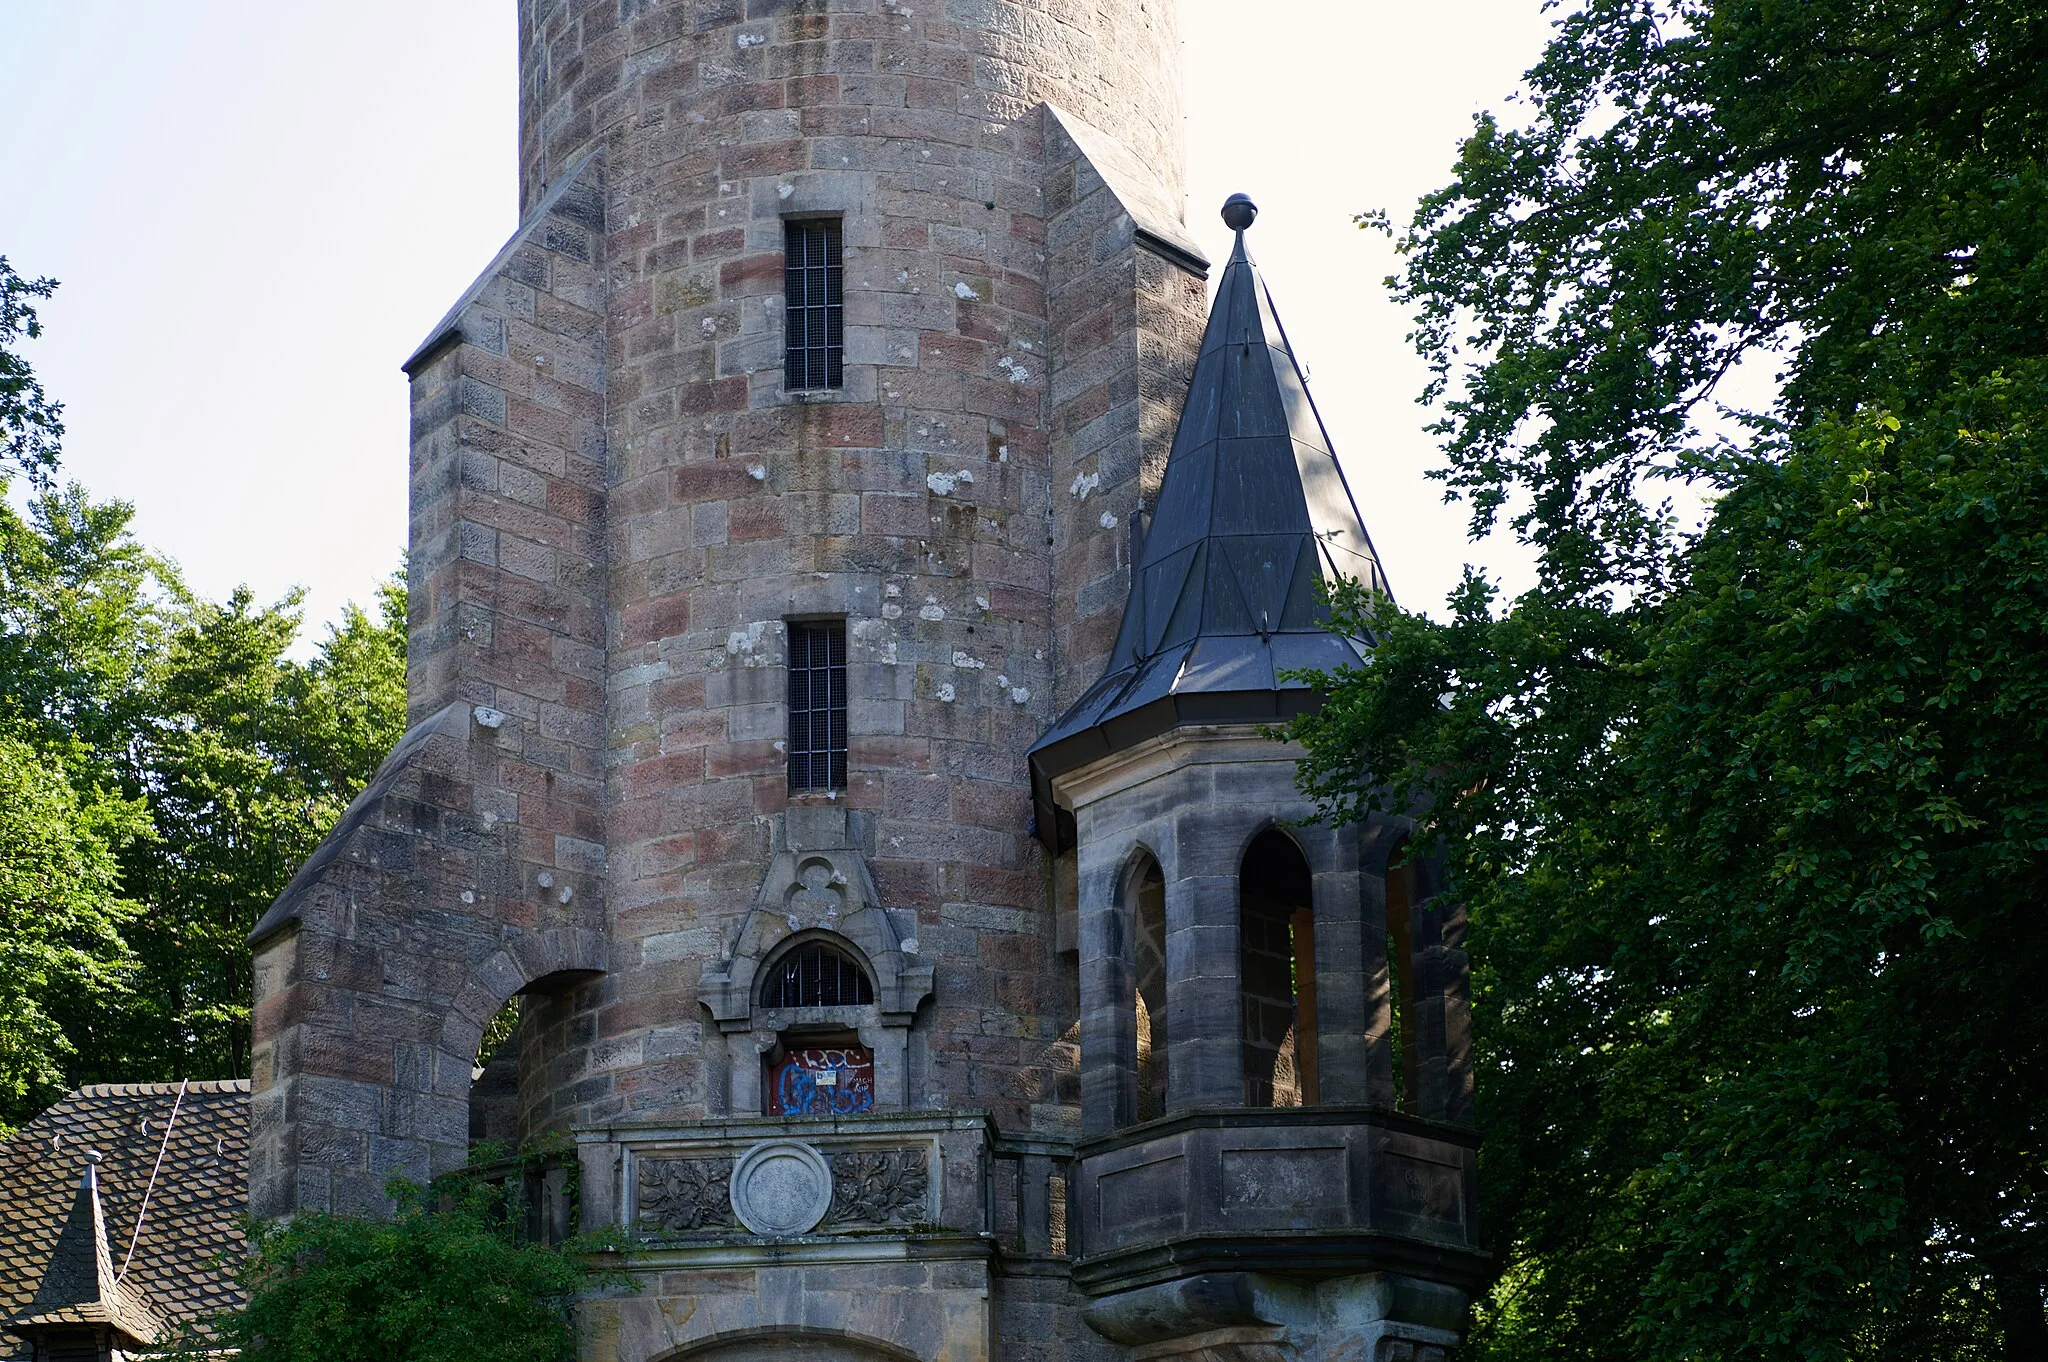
(817, 707)
(813, 288)
(817, 976)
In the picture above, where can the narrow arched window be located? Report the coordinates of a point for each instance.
(1149, 904)
(817, 976)
(1277, 972)
(1400, 977)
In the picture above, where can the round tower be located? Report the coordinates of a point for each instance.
(912, 491)
(688, 95)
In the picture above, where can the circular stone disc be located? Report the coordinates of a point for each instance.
(781, 1187)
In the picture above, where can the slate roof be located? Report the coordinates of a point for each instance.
(1254, 519)
(80, 1284)
(194, 1219)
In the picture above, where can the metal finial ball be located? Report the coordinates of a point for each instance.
(1239, 211)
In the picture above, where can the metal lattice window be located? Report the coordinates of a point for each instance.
(817, 976)
(813, 289)
(817, 706)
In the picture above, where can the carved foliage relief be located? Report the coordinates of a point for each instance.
(881, 1187)
(686, 1196)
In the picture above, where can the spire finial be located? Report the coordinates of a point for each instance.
(1239, 212)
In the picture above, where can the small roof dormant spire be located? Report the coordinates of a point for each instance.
(79, 1285)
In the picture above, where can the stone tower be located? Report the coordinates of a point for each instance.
(773, 492)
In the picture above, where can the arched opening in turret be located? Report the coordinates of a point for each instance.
(1277, 973)
(494, 1083)
(1401, 974)
(1148, 920)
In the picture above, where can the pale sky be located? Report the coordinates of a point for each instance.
(258, 209)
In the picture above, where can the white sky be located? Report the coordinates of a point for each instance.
(257, 209)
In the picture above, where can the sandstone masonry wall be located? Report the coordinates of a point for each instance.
(922, 503)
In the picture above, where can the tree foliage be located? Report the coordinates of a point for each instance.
(236, 756)
(1750, 823)
(166, 764)
(62, 915)
(246, 757)
(31, 425)
(445, 1279)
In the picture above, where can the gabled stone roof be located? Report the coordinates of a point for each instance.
(1254, 523)
(181, 1268)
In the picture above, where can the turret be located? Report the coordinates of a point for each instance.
(1249, 1162)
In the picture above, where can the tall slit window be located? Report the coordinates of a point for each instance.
(817, 706)
(1277, 971)
(813, 288)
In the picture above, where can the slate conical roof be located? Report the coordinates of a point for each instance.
(79, 1284)
(1253, 521)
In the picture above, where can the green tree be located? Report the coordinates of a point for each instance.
(80, 623)
(61, 918)
(443, 1280)
(1750, 824)
(245, 759)
(237, 756)
(31, 425)
(174, 766)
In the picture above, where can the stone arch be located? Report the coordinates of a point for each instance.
(790, 1343)
(1380, 836)
(539, 961)
(1133, 859)
(823, 890)
(1275, 824)
(555, 955)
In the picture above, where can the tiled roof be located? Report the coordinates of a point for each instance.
(194, 1221)
(80, 1285)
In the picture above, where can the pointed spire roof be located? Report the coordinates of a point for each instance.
(80, 1285)
(1254, 520)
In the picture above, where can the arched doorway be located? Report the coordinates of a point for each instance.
(494, 1084)
(790, 1344)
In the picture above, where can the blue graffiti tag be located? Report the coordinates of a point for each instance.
(801, 1094)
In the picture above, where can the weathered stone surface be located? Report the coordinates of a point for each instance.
(781, 1188)
(685, 1196)
(618, 511)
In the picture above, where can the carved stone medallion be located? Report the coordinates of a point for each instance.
(781, 1188)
